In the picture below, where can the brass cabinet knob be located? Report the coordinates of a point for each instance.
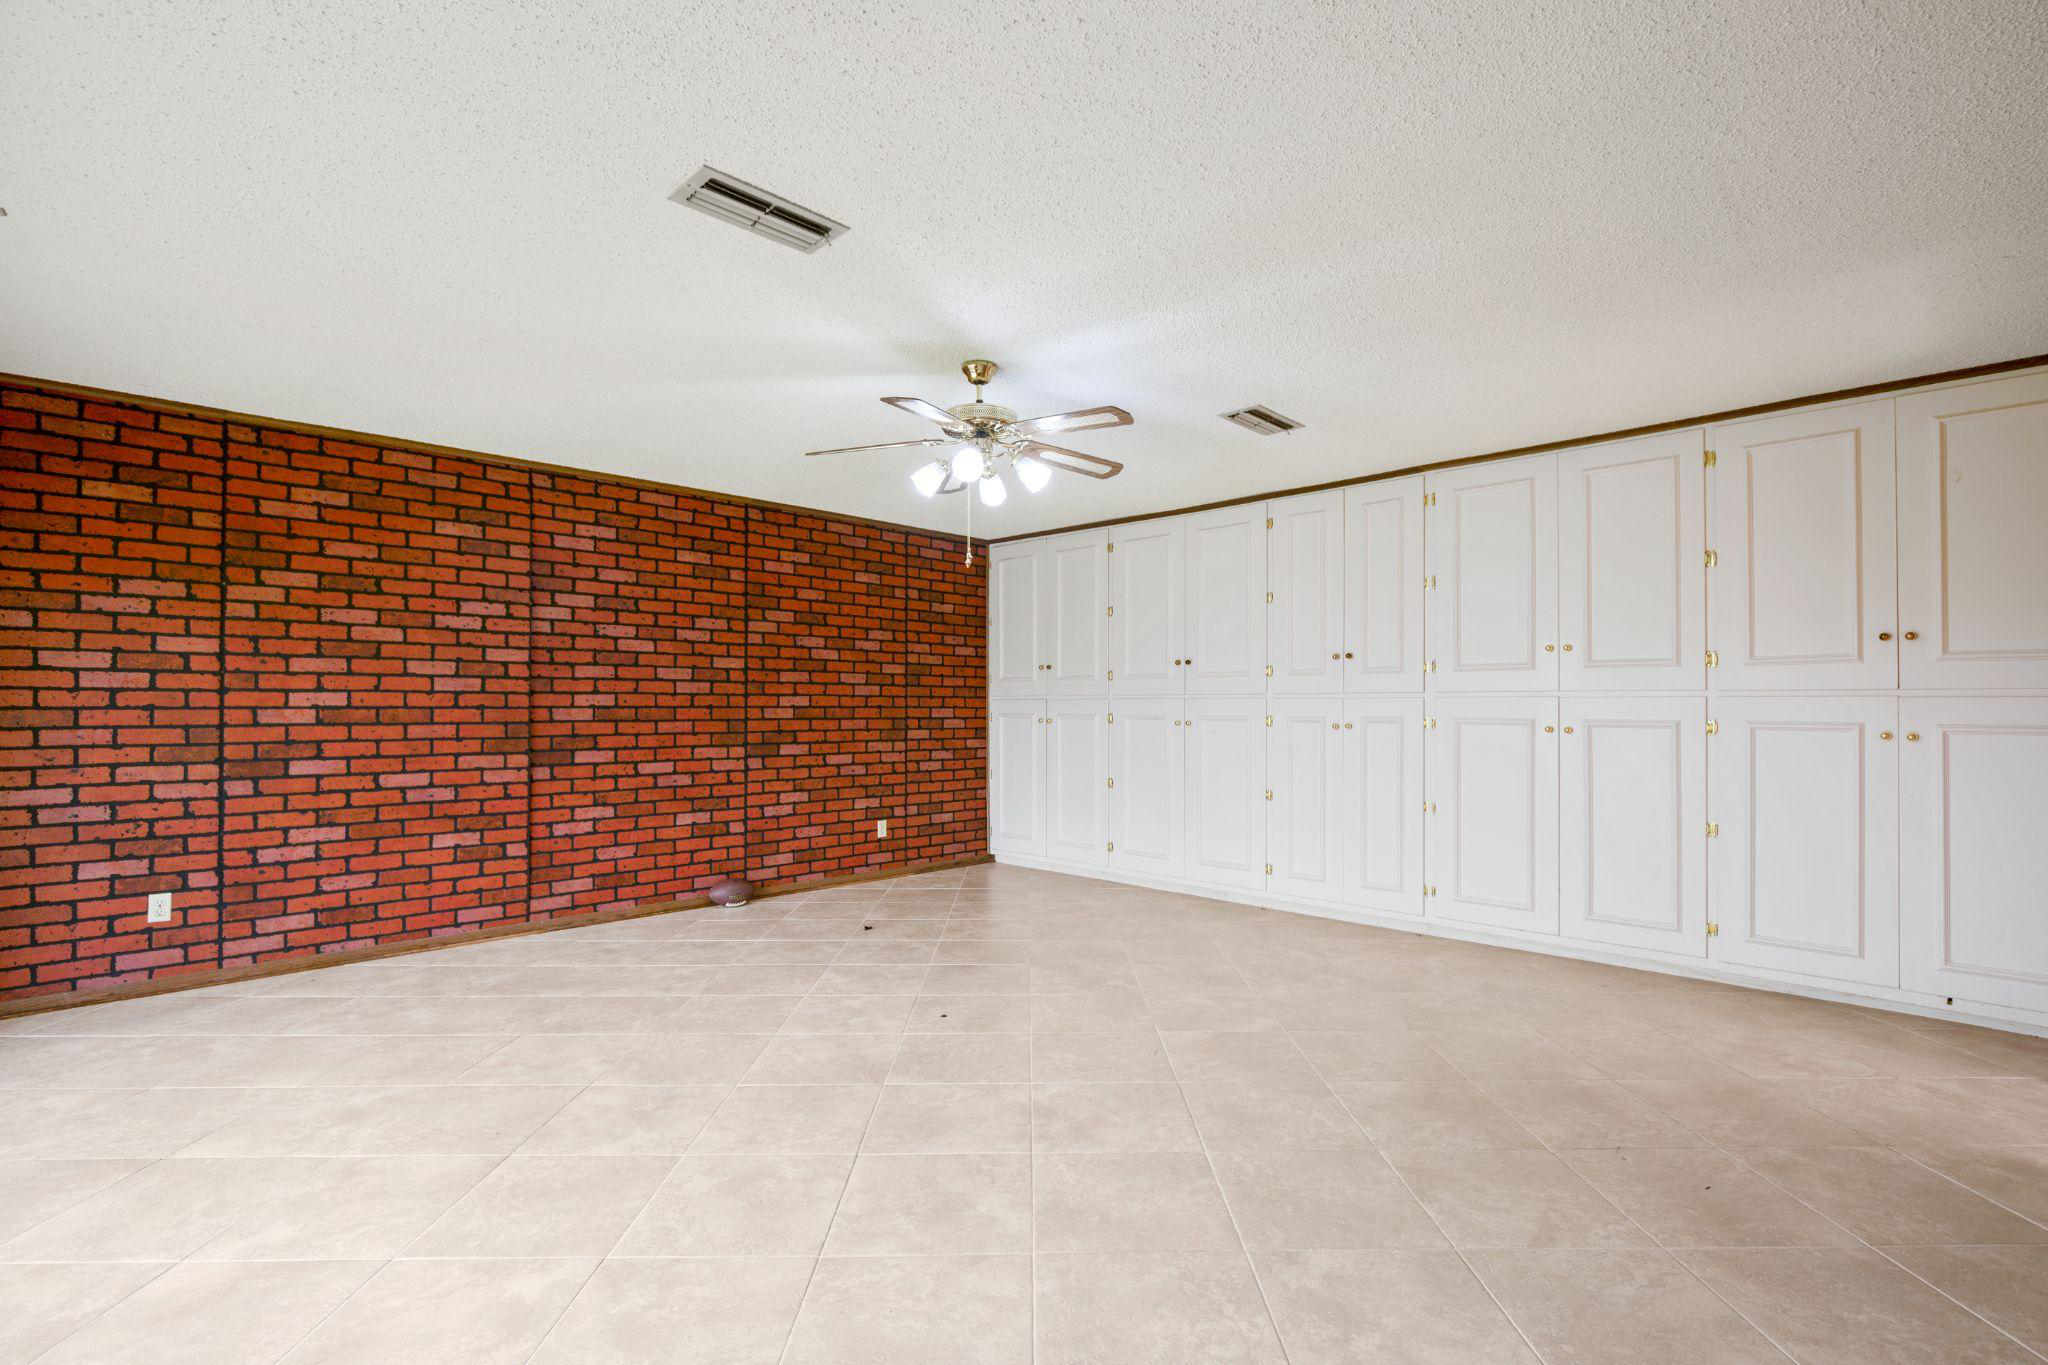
(1884, 734)
(1333, 725)
(1550, 649)
(1912, 635)
(1334, 654)
(1550, 729)
(1347, 653)
(1347, 725)
(1884, 635)
(1912, 736)
(1567, 649)
(1567, 729)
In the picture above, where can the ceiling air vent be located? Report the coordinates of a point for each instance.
(1264, 421)
(753, 208)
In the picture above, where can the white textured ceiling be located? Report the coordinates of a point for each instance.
(1426, 230)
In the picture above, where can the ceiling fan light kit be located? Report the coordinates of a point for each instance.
(989, 437)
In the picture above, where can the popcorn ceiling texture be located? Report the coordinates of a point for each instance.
(1426, 230)
(336, 694)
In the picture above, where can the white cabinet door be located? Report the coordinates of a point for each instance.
(1491, 773)
(1077, 648)
(1973, 558)
(1804, 595)
(1226, 791)
(1305, 567)
(1016, 777)
(1973, 863)
(1805, 792)
(1632, 821)
(1383, 586)
(1631, 565)
(1226, 586)
(1304, 756)
(1148, 791)
(1493, 550)
(1077, 781)
(1147, 591)
(1016, 628)
(1379, 807)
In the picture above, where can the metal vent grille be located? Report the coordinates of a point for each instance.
(1263, 420)
(749, 206)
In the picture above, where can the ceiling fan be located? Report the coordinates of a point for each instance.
(990, 437)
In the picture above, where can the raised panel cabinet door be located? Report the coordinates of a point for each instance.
(1305, 574)
(1973, 864)
(1077, 650)
(1493, 551)
(1148, 786)
(1383, 567)
(1380, 817)
(1632, 821)
(1304, 755)
(1226, 588)
(1016, 777)
(1631, 565)
(1148, 596)
(1226, 786)
(1973, 556)
(1077, 781)
(1016, 626)
(1804, 596)
(1490, 768)
(1805, 875)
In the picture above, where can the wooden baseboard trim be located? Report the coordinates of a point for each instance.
(311, 961)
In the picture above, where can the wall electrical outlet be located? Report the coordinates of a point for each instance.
(159, 907)
(881, 829)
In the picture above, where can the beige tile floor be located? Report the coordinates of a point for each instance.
(999, 1115)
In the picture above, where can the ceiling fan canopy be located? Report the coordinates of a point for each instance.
(983, 439)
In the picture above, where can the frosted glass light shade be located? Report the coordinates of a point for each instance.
(927, 478)
(993, 490)
(1033, 474)
(967, 464)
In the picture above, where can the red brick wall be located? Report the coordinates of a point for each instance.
(335, 694)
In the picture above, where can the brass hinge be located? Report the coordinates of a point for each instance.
(1429, 722)
(1269, 523)
(1429, 808)
(1713, 830)
(1111, 847)
(1708, 459)
(1112, 718)
(1269, 670)
(1269, 869)
(1429, 583)
(1713, 727)
(1269, 793)
(1112, 547)
(1713, 929)
(1109, 611)
(1429, 891)
(1713, 658)
(1429, 499)
(1713, 558)
(1111, 675)
(1269, 722)
(1429, 667)
(1112, 782)
(1269, 597)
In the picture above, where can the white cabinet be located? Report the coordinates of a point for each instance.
(1016, 642)
(1631, 572)
(1016, 777)
(1305, 567)
(1226, 791)
(1383, 552)
(1632, 821)
(1076, 781)
(1148, 596)
(1077, 633)
(1304, 756)
(1493, 551)
(1805, 592)
(1805, 793)
(1973, 535)
(1148, 791)
(1379, 806)
(1973, 783)
(1226, 601)
(1491, 775)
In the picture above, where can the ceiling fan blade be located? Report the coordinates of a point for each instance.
(886, 445)
(1085, 419)
(1059, 457)
(931, 412)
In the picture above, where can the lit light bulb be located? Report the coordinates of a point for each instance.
(993, 490)
(927, 478)
(1033, 474)
(967, 464)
